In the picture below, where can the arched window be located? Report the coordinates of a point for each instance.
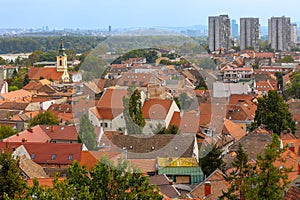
(60, 62)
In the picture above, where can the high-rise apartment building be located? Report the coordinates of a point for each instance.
(279, 35)
(218, 32)
(249, 33)
(234, 28)
(294, 33)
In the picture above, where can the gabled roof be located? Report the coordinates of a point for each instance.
(112, 98)
(32, 85)
(218, 184)
(156, 108)
(233, 129)
(35, 134)
(18, 95)
(68, 133)
(180, 145)
(48, 153)
(10, 105)
(137, 79)
(88, 160)
(163, 183)
(54, 153)
(31, 169)
(144, 165)
(46, 72)
(183, 121)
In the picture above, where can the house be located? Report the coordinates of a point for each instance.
(46, 134)
(53, 157)
(151, 147)
(108, 112)
(265, 86)
(212, 187)
(139, 80)
(237, 74)
(146, 167)
(165, 185)
(180, 170)
(18, 95)
(3, 87)
(226, 89)
(158, 112)
(30, 169)
(241, 109)
(58, 73)
(259, 139)
(183, 121)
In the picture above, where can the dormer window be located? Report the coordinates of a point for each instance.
(70, 157)
(53, 157)
(32, 156)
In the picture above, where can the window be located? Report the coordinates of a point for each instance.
(70, 157)
(53, 157)
(60, 62)
(32, 156)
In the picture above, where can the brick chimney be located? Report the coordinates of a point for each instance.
(299, 167)
(292, 147)
(207, 188)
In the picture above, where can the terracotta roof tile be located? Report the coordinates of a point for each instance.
(47, 72)
(88, 159)
(218, 184)
(18, 95)
(233, 129)
(292, 194)
(156, 108)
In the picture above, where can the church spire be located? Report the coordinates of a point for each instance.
(61, 50)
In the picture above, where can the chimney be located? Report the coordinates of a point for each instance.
(52, 128)
(292, 147)
(207, 188)
(30, 130)
(299, 167)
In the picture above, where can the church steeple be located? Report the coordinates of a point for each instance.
(61, 50)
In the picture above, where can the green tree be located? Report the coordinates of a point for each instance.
(286, 59)
(133, 111)
(103, 181)
(172, 129)
(87, 133)
(293, 89)
(212, 160)
(26, 80)
(185, 101)
(267, 182)
(6, 131)
(11, 183)
(135, 108)
(45, 118)
(237, 176)
(273, 112)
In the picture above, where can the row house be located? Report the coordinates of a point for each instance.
(237, 74)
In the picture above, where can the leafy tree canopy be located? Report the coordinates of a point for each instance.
(212, 160)
(273, 112)
(86, 133)
(45, 118)
(103, 181)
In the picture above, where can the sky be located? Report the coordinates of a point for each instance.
(97, 14)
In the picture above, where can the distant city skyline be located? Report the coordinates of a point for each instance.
(95, 14)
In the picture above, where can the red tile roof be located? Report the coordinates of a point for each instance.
(184, 121)
(36, 134)
(88, 159)
(292, 194)
(233, 129)
(18, 95)
(218, 184)
(156, 108)
(61, 132)
(47, 72)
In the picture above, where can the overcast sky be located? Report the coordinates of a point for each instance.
(95, 14)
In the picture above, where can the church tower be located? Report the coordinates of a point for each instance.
(61, 62)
